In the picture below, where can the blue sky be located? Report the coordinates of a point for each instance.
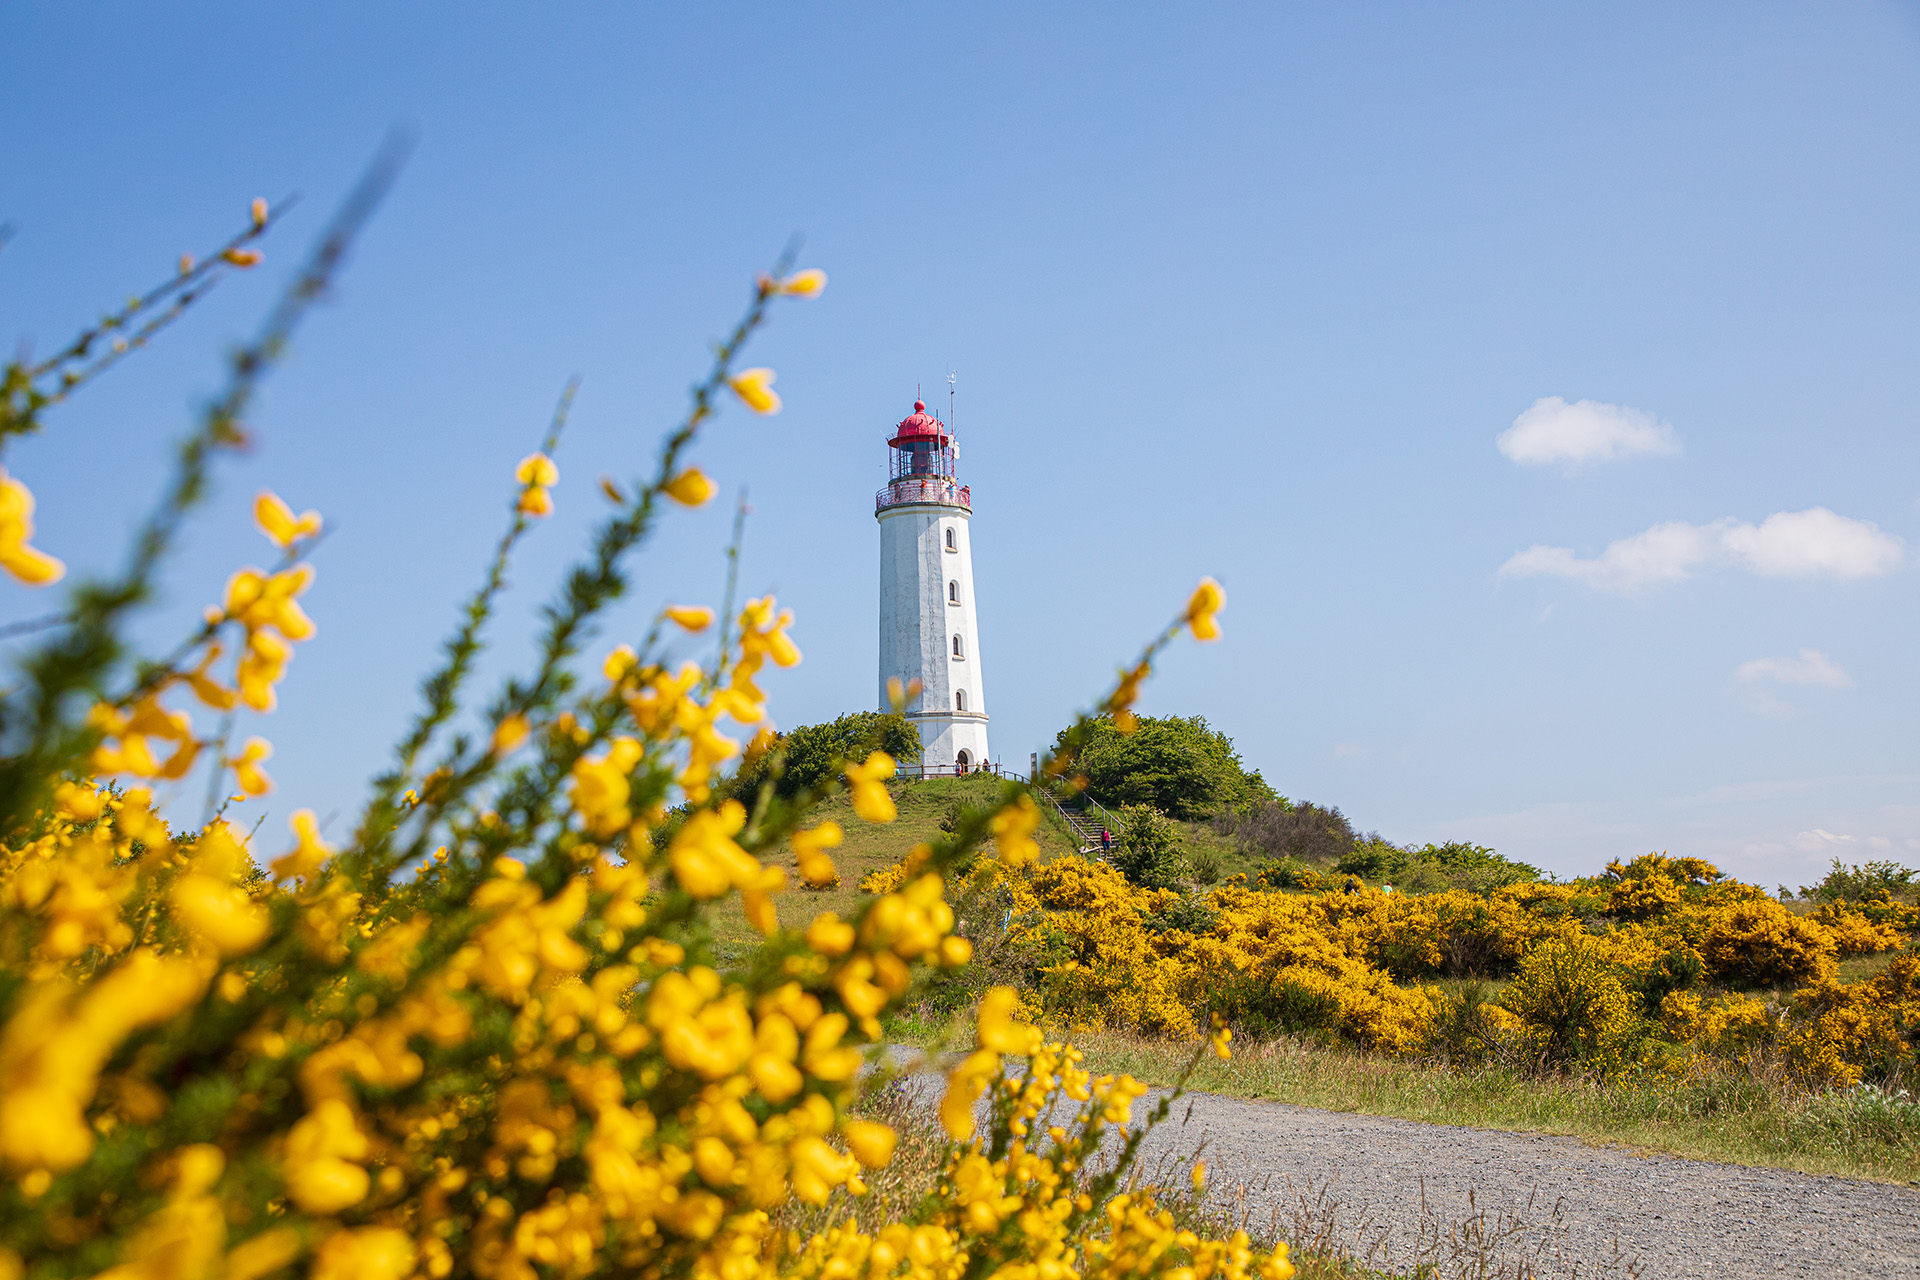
(1243, 290)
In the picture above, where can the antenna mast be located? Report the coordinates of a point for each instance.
(953, 375)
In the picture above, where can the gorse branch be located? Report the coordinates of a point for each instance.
(44, 736)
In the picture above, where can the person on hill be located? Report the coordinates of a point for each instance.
(1106, 841)
(1386, 888)
(1353, 887)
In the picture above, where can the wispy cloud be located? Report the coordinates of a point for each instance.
(1820, 841)
(1811, 667)
(1814, 543)
(1587, 431)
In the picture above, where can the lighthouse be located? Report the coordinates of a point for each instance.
(928, 629)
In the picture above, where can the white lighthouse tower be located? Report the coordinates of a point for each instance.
(928, 630)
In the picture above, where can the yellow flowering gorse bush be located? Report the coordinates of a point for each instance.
(487, 1033)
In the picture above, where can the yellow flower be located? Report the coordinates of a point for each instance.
(536, 473)
(262, 666)
(1199, 1176)
(622, 660)
(255, 600)
(535, 501)
(246, 767)
(259, 211)
(965, 1084)
(705, 859)
(509, 734)
(277, 521)
(755, 387)
(242, 257)
(691, 617)
(1207, 600)
(997, 1029)
(1013, 832)
(309, 854)
(319, 1170)
(829, 935)
(365, 1253)
(899, 695)
(809, 847)
(803, 284)
(208, 903)
(871, 1143)
(867, 782)
(205, 687)
(29, 564)
(691, 488)
(601, 788)
(537, 468)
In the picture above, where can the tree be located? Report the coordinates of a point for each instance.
(1149, 851)
(815, 753)
(1180, 765)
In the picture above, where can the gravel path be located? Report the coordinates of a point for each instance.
(1482, 1202)
(1530, 1203)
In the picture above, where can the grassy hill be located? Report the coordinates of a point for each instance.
(923, 806)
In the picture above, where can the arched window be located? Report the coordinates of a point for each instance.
(963, 762)
(957, 651)
(959, 699)
(953, 593)
(950, 543)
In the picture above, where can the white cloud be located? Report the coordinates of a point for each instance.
(1812, 543)
(1811, 667)
(1790, 544)
(1818, 841)
(1586, 431)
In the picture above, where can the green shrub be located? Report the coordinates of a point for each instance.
(1148, 852)
(1180, 765)
(1373, 859)
(1286, 829)
(1259, 1007)
(1204, 867)
(1287, 873)
(1859, 883)
(1185, 913)
(813, 754)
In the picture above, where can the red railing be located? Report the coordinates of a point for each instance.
(906, 492)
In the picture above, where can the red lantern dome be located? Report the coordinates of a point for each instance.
(922, 464)
(920, 425)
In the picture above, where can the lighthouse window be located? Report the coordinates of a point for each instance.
(957, 653)
(953, 593)
(959, 699)
(950, 545)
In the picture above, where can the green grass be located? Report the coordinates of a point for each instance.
(1732, 1117)
(870, 847)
